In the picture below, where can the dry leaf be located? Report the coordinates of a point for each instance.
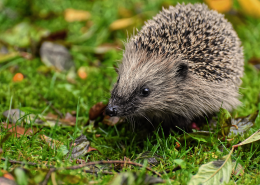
(52, 120)
(70, 118)
(72, 15)
(177, 145)
(213, 173)
(111, 121)
(253, 138)
(122, 23)
(241, 124)
(56, 55)
(220, 5)
(51, 116)
(51, 142)
(13, 115)
(238, 169)
(255, 62)
(5, 181)
(91, 149)
(250, 7)
(128, 178)
(80, 147)
(19, 131)
(9, 176)
(152, 158)
(96, 111)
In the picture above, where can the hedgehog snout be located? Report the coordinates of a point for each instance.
(111, 110)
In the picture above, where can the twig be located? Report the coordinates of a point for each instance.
(84, 165)
(49, 166)
(26, 163)
(105, 173)
(108, 162)
(46, 179)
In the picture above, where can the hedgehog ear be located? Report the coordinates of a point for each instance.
(182, 70)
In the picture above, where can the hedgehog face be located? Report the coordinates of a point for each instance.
(142, 90)
(120, 105)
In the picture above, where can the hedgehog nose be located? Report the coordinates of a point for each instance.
(111, 111)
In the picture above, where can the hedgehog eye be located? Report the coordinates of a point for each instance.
(145, 92)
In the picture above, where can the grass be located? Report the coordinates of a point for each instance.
(117, 141)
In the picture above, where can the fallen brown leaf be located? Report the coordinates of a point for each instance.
(72, 15)
(52, 119)
(250, 7)
(122, 23)
(111, 121)
(9, 176)
(220, 5)
(238, 169)
(152, 158)
(177, 145)
(96, 110)
(14, 115)
(19, 131)
(70, 118)
(255, 62)
(56, 55)
(5, 181)
(240, 125)
(80, 161)
(52, 116)
(91, 149)
(53, 143)
(79, 147)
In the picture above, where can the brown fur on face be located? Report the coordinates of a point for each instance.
(191, 61)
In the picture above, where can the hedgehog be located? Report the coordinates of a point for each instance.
(181, 67)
